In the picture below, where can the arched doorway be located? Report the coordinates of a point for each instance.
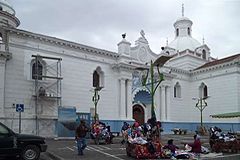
(138, 114)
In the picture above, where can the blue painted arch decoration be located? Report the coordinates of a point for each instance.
(143, 97)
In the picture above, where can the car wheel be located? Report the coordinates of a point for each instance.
(31, 152)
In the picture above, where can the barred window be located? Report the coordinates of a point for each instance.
(37, 70)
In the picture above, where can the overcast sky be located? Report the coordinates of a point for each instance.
(100, 23)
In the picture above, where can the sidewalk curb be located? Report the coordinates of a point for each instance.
(54, 156)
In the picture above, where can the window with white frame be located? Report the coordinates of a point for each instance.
(37, 69)
(98, 77)
(203, 90)
(177, 90)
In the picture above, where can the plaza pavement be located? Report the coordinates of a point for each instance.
(65, 149)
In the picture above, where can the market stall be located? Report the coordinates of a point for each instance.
(224, 142)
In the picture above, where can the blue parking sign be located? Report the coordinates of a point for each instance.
(20, 108)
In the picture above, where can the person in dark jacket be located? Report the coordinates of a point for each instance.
(124, 132)
(80, 135)
(171, 147)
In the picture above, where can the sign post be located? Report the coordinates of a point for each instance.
(20, 109)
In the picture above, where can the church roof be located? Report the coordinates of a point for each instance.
(61, 42)
(220, 61)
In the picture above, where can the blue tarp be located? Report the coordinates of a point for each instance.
(66, 122)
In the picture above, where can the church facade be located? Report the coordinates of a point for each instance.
(45, 73)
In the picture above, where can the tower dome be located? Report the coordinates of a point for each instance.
(7, 15)
(183, 35)
(5, 6)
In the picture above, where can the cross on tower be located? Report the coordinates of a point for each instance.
(183, 10)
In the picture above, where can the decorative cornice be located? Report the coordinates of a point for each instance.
(216, 67)
(61, 42)
(85, 57)
(176, 70)
(123, 66)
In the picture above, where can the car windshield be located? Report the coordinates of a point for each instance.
(3, 130)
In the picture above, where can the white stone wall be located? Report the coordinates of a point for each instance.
(180, 106)
(186, 62)
(77, 69)
(223, 89)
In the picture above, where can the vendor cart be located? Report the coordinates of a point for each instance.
(148, 150)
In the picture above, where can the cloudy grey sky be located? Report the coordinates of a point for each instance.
(100, 23)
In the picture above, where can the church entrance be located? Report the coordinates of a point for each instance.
(138, 114)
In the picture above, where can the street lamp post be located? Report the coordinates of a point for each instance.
(95, 100)
(153, 84)
(201, 105)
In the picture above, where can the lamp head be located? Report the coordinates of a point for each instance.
(160, 61)
(142, 68)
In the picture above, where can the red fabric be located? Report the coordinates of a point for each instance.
(141, 151)
(196, 146)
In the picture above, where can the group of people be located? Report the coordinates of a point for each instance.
(101, 131)
(196, 146)
(151, 130)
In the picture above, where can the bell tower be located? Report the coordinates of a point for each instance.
(7, 20)
(7, 15)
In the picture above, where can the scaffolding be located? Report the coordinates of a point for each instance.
(47, 84)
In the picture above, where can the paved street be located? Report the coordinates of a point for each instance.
(67, 150)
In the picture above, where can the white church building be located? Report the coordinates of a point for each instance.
(44, 74)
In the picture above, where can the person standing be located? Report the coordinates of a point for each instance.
(80, 135)
(124, 132)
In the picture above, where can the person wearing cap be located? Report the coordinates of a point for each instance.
(80, 135)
